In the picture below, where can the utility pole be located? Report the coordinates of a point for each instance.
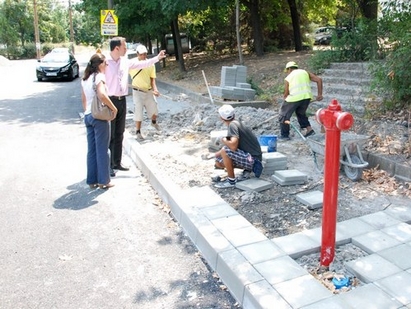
(71, 27)
(36, 30)
(110, 4)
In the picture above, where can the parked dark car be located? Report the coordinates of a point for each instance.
(323, 35)
(59, 65)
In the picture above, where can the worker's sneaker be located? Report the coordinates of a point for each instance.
(284, 138)
(226, 184)
(156, 126)
(309, 133)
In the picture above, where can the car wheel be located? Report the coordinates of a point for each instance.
(72, 75)
(39, 79)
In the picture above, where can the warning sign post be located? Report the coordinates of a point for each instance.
(109, 22)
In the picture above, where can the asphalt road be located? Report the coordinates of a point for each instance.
(65, 246)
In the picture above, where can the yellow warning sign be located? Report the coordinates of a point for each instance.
(109, 22)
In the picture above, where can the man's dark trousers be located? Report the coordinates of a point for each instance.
(118, 125)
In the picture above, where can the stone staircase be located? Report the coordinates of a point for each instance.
(350, 84)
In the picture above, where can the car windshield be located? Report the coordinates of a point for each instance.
(56, 57)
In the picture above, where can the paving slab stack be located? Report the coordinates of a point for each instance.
(273, 161)
(233, 84)
(289, 177)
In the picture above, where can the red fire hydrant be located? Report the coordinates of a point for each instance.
(334, 121)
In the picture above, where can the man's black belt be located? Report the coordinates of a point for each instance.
(136, 89)
(118, 98)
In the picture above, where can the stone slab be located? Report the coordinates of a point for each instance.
(379, 220)
(312, 199)
(374, 241)
(286, 183)
(274, 156)
(258, 252)
(372, 268)
(254, 184)
(400, 231)
(399, 256)
(291, 175)
(262, 295)
(398, 285)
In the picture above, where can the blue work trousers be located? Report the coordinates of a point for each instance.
(98, 153)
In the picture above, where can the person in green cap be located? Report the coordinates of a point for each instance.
(297, 96)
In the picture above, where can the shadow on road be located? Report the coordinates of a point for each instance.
(79, 197)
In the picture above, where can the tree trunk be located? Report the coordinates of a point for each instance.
(177, 42)
(237, 30)
(296, 25)
(256, 25)
(369, 8)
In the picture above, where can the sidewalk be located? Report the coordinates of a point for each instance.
(262, 273)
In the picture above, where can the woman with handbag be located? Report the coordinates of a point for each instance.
(94, 92)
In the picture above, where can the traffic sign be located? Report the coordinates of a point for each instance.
(108, 22)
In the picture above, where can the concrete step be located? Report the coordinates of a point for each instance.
(337, 89)
(360, 74)
(341, 80)
(350, 65)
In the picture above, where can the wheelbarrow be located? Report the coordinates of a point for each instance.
(351, 158)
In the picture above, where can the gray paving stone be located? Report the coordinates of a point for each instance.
(280, 269)
(401, 232)
(379, 220)
(402, 213)
(219, 211)
(302, 291)
(237, 272)
(274, 157)
(398, 285)
(261, 295)
(312, 199)
(351, 228)
(369, 296)
(372, 268)
(286, 183)
(258, 252)
(297, 245)
(211, 242)
(374, 241)
(231, 223)
(291, 175)
(243, 236)
(399, 256)
(254, 184)
(334, 302)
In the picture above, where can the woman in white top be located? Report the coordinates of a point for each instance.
(98, 131)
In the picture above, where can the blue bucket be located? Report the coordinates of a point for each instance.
(270, 141)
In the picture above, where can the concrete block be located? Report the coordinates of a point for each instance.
(219, 211)
(243, 85)
(211, 242)
(274, 156)
(280, 269)
(243, 236)
(399, 256)
(372, 268)
(402, 172)
(379, 220)
(313, 199)
(351, 228)
(254, 184)
(297, 245)
(258, 252)
(286, 183)
(231, 223)
(261, 295)
(367, 295)
(400, 231)
(291, 175)
(302, 291)
(374, 241)
(398, 286)
(236, 273)
(334, 302)
(402, 213)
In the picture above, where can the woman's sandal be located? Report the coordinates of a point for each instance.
(93, 186)
(105, 187)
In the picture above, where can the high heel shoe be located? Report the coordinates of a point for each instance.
(93, 185)
(105, 187)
